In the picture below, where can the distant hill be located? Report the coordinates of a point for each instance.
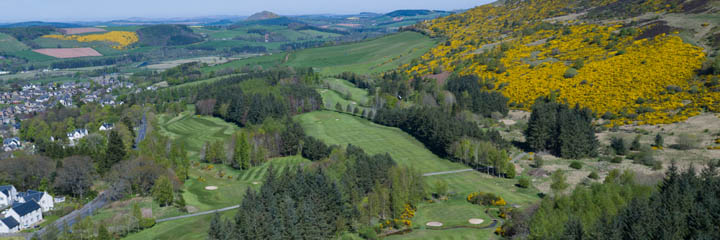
(280, 21)
(410, 13)
(38, 23)
(264, 15)
(167, 35)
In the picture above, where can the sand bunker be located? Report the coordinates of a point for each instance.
(476, 221)
(211, 188)
(434, 224)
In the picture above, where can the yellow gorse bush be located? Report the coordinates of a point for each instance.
(647, 81)
(121, 38)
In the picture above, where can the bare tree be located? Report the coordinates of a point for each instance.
(75, 176)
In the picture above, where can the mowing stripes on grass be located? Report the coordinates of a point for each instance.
(343, 129)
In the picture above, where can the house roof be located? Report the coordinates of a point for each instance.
(6, 189)
(25, 208)
(31, 195)
(10, 222)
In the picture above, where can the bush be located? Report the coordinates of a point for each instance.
(523, 182)
(146, 223)
(618, 145)
(570, 73)
(635, 145)
(576, 165)
(593, 175)
(539, 161)
(616, 159)
(686, 141)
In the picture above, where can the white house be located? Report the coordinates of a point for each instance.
(9, 225)
(8, 193)
(106, 126)
(76, 135)
(42, 198)
(27, 214)
(11, 144)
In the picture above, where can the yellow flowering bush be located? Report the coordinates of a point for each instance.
(603, 67)
(121, 38)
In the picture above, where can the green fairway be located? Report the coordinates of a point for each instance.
(194, 131)
(342, 86)
(10, 44)
(343, 129)
(187, 228)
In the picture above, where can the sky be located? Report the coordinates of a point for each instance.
(92, 10)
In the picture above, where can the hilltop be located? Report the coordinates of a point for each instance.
(264, 15)
(587, 53)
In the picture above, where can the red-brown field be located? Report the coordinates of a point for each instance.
(68, 52)
(70, 31)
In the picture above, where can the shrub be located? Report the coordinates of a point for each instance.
(570, 73)
(539, 161)
(635, 145)
(146, 223)
(523, 182)
(618, 145)
(616, 159)
(593, 175)
(686, 141)
(576, 165)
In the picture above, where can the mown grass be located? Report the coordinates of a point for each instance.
(232, 184)
(345, 87)
(187, 228)
(343, 129)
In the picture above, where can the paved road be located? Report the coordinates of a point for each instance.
(447, 172)
(198, 214)
(88, 209)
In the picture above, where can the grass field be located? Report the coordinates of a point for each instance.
(376, 55)
(188, 228)
(194, 131)
(370, 56)
(342, 86)
(342, 129)
(10, 44)
(232, 184)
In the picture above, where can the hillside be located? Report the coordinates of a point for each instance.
(410, 13)
(264, 15)
(587, 53)
(167, 35)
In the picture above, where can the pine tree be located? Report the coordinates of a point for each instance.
(338, 107)
(241, 156)
(635, 145)
(217, 229)
(115, 151)
(103, 233)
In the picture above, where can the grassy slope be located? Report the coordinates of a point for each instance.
(194, 131)
(337, 128)
(376, 55)
(10, 44)
(370, 56)
(342, 86)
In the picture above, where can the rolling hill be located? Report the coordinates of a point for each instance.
(587, 53)
(264, 15)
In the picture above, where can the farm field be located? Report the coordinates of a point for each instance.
(68, 52)
(372, 56)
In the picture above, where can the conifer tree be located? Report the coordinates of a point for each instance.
(115, 151)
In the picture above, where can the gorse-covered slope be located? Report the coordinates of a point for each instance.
(628, 61)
